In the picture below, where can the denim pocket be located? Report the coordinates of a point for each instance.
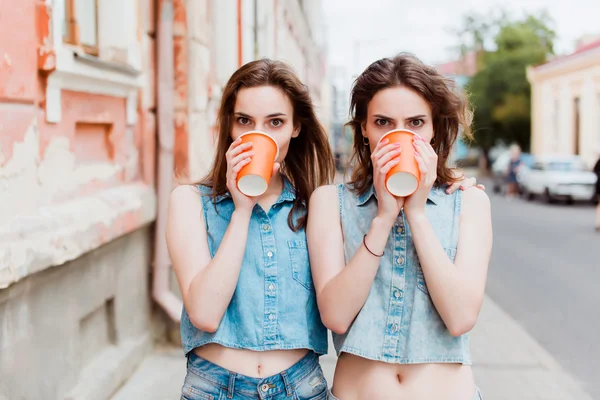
(196, 387)
(312, 387)
(300, 263)
(421, 284)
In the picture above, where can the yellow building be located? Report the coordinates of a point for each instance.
(565, 104)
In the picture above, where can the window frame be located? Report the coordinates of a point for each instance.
(72, 32)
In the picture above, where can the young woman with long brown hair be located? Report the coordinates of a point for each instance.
(250, 326)
(400, 280)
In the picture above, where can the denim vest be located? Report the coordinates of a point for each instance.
(274, 305)
(399, 323)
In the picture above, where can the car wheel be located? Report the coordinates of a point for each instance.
(528, 195)
(548, 197)
(570, 201)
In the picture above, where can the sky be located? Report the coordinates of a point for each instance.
(361, 31)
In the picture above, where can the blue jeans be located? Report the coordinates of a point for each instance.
(207, 381)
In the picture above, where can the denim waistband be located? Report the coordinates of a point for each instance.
(233, 382)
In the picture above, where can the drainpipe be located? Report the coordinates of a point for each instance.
(239, 33)
(161, 292)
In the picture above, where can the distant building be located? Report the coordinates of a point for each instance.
(565, 103)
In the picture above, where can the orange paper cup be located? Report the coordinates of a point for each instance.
(403, 178)
(253, 179)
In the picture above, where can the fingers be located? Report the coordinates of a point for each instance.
(240, 157)
(422, 165)
(383, 149)
(236, 148)
(424, 149)
(239, 165)
(388, 166)
(452, 188)
(467, 183)
(387, 157)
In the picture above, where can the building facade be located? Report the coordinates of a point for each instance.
(565, 104)
(100, 102)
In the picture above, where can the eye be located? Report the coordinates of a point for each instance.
(417, 123)
(276, 123)
(381, 122)
(243, 121)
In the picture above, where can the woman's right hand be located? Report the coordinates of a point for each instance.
(239, 155)
(384, 157)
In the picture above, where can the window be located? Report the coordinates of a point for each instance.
(81, 24)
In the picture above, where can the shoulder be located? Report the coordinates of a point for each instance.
(475, 200)
(324, 194)
(185, 197)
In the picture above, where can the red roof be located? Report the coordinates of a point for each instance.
(582, 49)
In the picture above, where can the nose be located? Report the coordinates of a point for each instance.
(261, 126)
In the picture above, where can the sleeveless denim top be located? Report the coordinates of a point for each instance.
(274, 305)
(399, 323)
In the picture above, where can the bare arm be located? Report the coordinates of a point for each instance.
(457, 290)
(206, 284)
(342, 289)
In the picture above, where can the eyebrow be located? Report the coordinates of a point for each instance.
(420, 116)
(277, 114)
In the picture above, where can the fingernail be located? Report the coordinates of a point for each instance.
(462, 188)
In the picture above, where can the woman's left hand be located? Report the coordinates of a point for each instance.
(464, 183)
(427, 160)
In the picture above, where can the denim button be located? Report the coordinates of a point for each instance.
(399, 260)
(271, 287)
(395, 328)
(264, 387)
(270, 254)
(271, 317)
(397, 294)
(265, 227)
(400, 229)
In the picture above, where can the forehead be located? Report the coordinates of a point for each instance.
(262, 100)
(398, 102)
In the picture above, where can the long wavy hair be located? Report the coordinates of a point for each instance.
(450, 111)
(309, 161)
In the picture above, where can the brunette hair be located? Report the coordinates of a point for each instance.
(309, 161)
(450, 111)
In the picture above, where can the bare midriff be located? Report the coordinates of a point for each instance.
(257, 364)
(357, 378)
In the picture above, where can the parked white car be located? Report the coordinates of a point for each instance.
(559, 177)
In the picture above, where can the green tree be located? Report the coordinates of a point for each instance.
(500, 91)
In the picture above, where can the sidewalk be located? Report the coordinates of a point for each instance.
(508, 364)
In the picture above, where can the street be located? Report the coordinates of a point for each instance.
(545, 273)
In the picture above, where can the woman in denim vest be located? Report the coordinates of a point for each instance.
(400, 281)
(250, 326)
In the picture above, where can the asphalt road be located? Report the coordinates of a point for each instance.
(545, 272)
